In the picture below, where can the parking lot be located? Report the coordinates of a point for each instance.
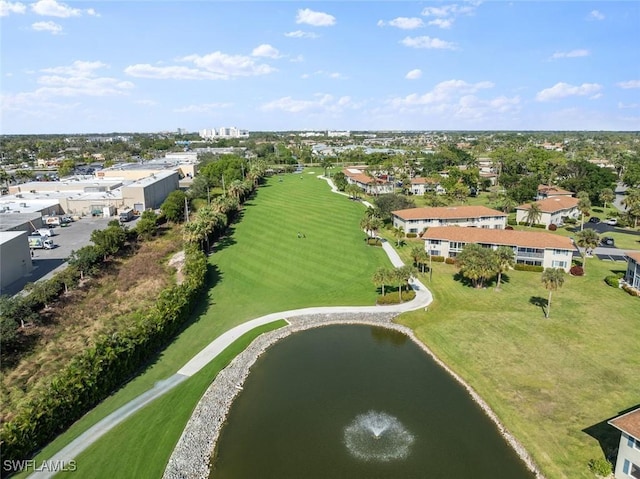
(67, 239)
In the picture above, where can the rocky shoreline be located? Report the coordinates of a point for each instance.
(191, 457)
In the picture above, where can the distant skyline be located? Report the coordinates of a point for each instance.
(145, 66)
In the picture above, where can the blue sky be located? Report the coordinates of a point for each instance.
(97, 67)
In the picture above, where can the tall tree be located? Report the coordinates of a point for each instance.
(632, 203)
(553, 279)
(381, 277)
(505, 258)
(476, 263)
(588, 240)
(173, 206)
(584, 205)
(607, 196)
(534, 214)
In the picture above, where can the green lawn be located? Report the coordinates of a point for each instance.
(548, 380)
(262, 267)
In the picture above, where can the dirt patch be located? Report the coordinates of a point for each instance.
(100, 305)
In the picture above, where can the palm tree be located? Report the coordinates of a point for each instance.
(607, 196)
(398, 234)
(476, 263)
(632, 203)
(587, 239)
(419, 256)
(505, 260)
(380, 278)
(584, 205)
(534, 214)
(553, 279)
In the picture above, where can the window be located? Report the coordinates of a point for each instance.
(559, 264)
(635, 471)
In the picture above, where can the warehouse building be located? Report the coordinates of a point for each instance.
(16, 257)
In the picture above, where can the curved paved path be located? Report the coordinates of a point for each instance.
(73, 449)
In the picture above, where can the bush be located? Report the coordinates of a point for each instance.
(374, 242)
(528, 267)
(512, 222)
(539, 225)
(392, 298)
(576, 270)
(571, 221)
(437, 259)
(630, 290)
(450, 260)
(600, 467)
(612, 280)
(508, 227)
(552, 227)
(412, 235)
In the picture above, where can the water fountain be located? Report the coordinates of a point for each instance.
(377, 436)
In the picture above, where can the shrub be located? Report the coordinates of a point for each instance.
(576, 270)
(412, 235)
(539, 225)
(450, 260)
(374, 242)
(600, 467)
(437, 259)
(508, 227)
(392, 298)
(612, 280)
(512, 222)
(571, 221)
(630, 290)
(528, 267)
(552, 227)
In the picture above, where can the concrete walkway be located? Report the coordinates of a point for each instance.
(72, 450)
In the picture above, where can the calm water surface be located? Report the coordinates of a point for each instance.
(357, 402)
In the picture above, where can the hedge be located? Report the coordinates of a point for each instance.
(528, 267)
(412, 235)
(630, 290)
(108, 364)
(392, 298)
(437, 259)
(612, 280)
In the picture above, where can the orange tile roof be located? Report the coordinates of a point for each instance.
(552, 190)
(553, 204)
(628, 423)
(360, 177)
(634, 255)
(422, 181)
(446, 212)
(532, 239)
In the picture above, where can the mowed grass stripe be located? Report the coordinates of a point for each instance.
(257, 273)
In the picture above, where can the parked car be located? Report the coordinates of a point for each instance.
(594, 219)
(607, 241)
(611, 221)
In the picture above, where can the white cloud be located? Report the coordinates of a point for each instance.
(203, 108)
(427, 42)
(596, 15)
(146, 102)
(414, 74)
(316, 19)
(326, 74)
(322, 103)
(7, 8)
(50, 27)
(77, 69)
(448, 10)
(51, 8)
(571, 54)
(213, 66)
(301, 34)
(442, 93)
(442, 22)
(266, 50)
(628, 105)
(629, 84)
(562, 90)
(404, 23)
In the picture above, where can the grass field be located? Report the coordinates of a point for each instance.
(262, 267)
(553, 382)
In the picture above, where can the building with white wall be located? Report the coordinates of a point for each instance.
(16, 257)
(223, 132)
(530, 247)
(416, 220)
(553, 210)
(628, 459)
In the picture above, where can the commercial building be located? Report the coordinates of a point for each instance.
(15, 257)
(416, 220)
(530, 248)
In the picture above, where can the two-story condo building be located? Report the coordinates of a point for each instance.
(632, 277)
(532, 248)
(370, 185)
(416, 220)
(553, 210)
(419, 186)
(547, 191)
(628, 460)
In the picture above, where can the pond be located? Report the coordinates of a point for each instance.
(353, 401)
